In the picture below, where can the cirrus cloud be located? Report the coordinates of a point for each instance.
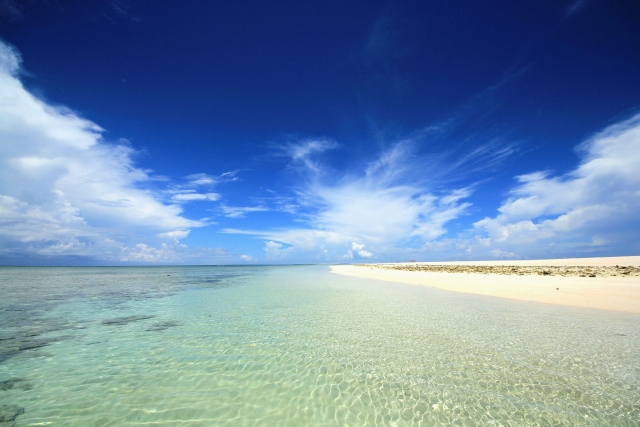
(383, 207)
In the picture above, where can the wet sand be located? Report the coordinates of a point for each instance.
(611, 283)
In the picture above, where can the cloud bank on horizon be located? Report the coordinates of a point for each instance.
(67, 192)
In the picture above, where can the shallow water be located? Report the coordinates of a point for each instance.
(294, 346)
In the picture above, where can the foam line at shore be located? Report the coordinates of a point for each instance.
(605, 293)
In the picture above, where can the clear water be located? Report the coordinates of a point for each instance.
(299, 346)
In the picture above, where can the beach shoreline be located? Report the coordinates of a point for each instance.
(603, 288)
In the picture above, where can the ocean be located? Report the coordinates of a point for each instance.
(300, 346)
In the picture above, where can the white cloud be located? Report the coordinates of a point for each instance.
(273, 250)
(191, 190)
(240, 211)
(144, 253)
(65, 191)
(365, 254)
(303, 153)
(277, 203)
(498, 254)
(195, 197)
(597, 202)
(359, 249)
(204, 179)
(201, 179)
(382, 207)
(175, 235)
(247, 258)
(356, 247)
(304, 149)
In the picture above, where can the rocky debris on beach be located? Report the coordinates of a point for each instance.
(519, 270)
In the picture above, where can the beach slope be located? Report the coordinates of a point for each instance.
(599, 283)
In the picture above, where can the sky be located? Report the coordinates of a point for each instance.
(138, 132)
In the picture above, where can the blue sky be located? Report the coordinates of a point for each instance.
(135, 132)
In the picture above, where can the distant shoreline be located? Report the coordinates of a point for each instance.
(599, 283)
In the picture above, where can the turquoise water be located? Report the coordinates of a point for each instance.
(300, 346)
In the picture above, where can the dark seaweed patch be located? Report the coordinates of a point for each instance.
(161, 326)
(9, 413)
(15, 383)
(6, 354)
(23, 325)
(14, 346)
(125, 320)
(41, 342)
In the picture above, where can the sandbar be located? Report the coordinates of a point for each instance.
(611, 283)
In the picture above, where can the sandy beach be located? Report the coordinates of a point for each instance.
(611, 283)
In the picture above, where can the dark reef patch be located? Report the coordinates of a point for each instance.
(41, 342)
(9, 413)
(15, 384)
(161, 326)
(6, 354)
(126, 319)
(16, 345)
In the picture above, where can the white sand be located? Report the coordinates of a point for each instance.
(605, 293)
